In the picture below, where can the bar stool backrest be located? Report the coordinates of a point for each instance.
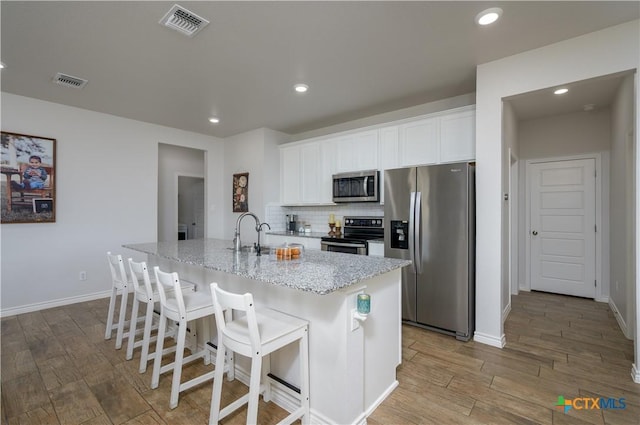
(118, 272)
(140, 273)
(223, 300)
(170, 292)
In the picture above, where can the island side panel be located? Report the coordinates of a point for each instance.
(351, 371)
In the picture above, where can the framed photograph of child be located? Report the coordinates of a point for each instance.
(241, 192)
(27, 188)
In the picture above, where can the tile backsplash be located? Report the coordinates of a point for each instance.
(318, 216)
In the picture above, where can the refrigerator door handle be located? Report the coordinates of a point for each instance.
(416, 235)
(411, 235)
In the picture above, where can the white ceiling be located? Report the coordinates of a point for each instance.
(359, 58)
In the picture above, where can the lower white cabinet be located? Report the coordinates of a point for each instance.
(376, 249)
(307, 242)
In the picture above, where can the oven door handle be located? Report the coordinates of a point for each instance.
(347, 245)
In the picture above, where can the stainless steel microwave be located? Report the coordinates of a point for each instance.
(359, 186)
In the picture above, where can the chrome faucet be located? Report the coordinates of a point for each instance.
(237, 244)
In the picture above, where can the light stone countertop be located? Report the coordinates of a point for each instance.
(319, 272)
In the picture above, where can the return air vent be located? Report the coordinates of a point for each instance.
(184, 21)
(69, 81)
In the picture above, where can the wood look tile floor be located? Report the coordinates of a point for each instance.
(57, 369)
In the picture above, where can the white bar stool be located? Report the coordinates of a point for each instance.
(145, 291)
(256, 335)
(119, 284)
(182, 308)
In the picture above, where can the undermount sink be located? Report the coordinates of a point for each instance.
(264, 249)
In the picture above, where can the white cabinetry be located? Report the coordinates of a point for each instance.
(308, 243)
(457, 136)
(387, 153)
(419, 142)
(307, 166)
(357, 152)
(302, 175)
(290, 174)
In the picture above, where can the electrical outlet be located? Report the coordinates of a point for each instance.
(82, 276)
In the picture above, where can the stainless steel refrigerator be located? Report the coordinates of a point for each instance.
(429, 215)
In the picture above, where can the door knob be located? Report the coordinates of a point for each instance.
(535, 233)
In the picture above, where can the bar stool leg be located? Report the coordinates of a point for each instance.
(304, 376)
(216, 395)
(122, 317)
(157, 361)
(112, 307)
(133, 324)
(177, 364)
(254, 388)
(146, 337)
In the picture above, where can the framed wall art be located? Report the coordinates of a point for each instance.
(27, 187)
(241, 192)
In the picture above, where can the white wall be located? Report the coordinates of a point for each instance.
(173, 161)
(611, 50)
(106, 196)
(414, 111)
(510, 147)
(255, 152)
(564, 135)
(622, 205)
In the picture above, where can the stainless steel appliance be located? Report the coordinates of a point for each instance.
(360, 186)
(429, 215)
(357, 231)
(291, 223)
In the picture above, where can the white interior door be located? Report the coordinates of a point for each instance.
(562, 231)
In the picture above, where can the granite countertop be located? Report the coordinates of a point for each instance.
(319, 272)
(315, 235)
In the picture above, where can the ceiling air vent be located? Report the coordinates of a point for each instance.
(184, 21)
(69, 81)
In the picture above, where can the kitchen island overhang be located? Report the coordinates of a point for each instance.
(352, 362)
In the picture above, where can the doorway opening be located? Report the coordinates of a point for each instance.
(190, 224)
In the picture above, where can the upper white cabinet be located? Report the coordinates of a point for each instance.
(301, 174)
(458, 136)
(290, 174)
(357, 152)
(387, 153)
(419, 142)
(307, 166)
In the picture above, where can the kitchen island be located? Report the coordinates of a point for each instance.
(352, 362)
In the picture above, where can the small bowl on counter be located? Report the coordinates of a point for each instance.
(287, 252)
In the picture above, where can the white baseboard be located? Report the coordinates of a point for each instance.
(635, 374)
(490, 339)
(380, 399)
(7, 312)
(621, 322)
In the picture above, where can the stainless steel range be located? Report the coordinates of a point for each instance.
(356, 232)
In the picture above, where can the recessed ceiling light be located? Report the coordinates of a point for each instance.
(214, 120)
(488, 16)
(301, 88)
(561, 91)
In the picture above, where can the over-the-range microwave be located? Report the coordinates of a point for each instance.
(359, 186)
